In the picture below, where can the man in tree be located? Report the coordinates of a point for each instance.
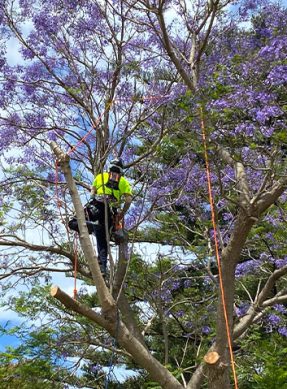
(106, 192)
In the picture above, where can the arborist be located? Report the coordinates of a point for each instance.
(107, 191)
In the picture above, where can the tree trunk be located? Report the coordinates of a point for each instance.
(219, 373)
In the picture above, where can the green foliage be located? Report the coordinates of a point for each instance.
(29, 365)
(264, 362)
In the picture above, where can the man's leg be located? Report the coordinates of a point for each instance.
(100, 233)
(102, 247)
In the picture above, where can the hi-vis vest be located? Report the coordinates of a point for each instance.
(102, 179)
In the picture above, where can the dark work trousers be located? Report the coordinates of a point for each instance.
(96, 223)
(100, 234)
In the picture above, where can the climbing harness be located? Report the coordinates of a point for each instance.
(119, 234)
(114, 180)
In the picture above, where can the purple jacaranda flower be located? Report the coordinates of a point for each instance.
(273, 320)
(264, 257)
(205, 330)
(277, 76)
(179, 313)
(280, 308)
(245, 128)
(282, 331)
(276, 50)
(248, 267)
(95, 368)
(227, 216)
(242, 309)
(164, 295)
(281, 262)
(187, 283)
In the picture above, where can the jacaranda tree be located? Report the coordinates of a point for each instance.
(145, 80)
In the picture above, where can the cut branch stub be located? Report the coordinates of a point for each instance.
(54, 291)
(211, 358)
(62, 158)
(82, 309)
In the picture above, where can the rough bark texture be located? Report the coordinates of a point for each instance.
(124, 338)
(125, 329)
(127, 335)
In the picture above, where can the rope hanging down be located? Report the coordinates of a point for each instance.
(216, 245)
(75, 248)
(58, 201)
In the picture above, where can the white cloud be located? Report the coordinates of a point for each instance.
(8, 315)
(13, 55)
(13, 46)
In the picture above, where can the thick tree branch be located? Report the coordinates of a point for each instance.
(124, 338)
(240, 175)
(260, 302)
(267, 198)
(171, 53)
(106, 300)
(79, 308)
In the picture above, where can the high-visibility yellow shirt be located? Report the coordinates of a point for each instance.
(100, 185)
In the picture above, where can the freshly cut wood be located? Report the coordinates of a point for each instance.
(211, 358)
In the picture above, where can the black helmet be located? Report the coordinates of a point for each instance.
(116, 165)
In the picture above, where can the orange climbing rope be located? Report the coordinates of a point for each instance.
(216, 245)
(75, 247)
(93, 128)
(58, 201)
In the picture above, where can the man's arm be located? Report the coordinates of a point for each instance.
(93, 192)
(128, 200)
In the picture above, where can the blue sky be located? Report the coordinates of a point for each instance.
(66, 284)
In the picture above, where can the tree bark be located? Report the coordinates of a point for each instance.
(110, 320)
(124, 338)
(106, 300)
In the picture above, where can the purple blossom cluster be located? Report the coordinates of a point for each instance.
(277, 76)
(206, 330)
(172, 284)
(180, 313)
(276, 321)
(248, 267)
(163, 295)
(273, 320)
(282, 331)
(280, 308)
(253, 266)
(252, 110)
(281, 262)
(242, 309)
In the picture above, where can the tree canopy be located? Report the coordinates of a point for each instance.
(178, 90)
